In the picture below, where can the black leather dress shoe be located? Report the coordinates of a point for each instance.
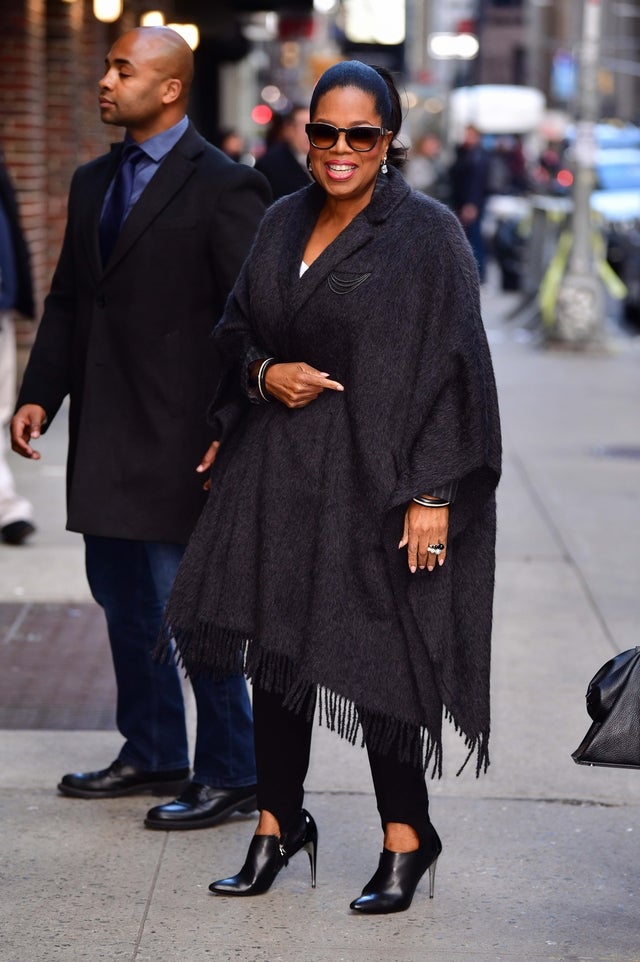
(17, 532)
(201, 806)
(120, 779)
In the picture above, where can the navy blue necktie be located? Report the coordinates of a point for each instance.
(114, 212)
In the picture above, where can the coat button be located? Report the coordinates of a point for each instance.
(101, 300)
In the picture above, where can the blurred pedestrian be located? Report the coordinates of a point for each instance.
(347, 548)
(507, 167)
(232, 144)
(16, 295)
(518, 166)
(469, 189)
(126, 334)
(426, 170)
(284, 163)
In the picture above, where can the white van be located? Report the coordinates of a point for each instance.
(495, 109)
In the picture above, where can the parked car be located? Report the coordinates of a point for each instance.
(617, 200)
(617, 161)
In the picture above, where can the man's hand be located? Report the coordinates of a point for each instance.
(26, 426)
(207, 462)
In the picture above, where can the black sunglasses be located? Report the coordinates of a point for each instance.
(324, 136)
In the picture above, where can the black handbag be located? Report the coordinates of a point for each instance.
(613, 701)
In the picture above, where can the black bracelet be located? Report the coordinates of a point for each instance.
(431, 504)
(262, 390)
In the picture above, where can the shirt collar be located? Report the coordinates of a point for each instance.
(158, 146)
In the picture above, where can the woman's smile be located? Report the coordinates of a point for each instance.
(340, 170)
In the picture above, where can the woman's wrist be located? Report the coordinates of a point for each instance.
(429, 501)
(257, 373)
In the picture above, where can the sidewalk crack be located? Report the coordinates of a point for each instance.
(566, 553)
(147, 907)
(17, 624)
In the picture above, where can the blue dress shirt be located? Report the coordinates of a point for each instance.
(155, 150)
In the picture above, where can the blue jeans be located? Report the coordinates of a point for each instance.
(131, 581)
(476, 239)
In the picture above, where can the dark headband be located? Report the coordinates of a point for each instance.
(353, 73)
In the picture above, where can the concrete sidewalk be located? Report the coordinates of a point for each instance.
(540, 858)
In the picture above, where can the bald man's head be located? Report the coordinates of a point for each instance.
(147, 81)
(170, 52)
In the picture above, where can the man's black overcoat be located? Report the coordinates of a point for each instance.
(130, 343)
(283, 171)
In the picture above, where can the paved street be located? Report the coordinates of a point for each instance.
(540, 860)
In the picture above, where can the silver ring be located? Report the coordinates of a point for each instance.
(436, 548)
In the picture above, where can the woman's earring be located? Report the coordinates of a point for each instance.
(383, 166)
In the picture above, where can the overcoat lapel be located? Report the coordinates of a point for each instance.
(354, 237)
(92, 204)
(173, 173)
(297, 290)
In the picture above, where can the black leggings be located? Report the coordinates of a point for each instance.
(283, 743)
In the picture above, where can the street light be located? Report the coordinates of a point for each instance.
(189, 32)
(374, 21)
(107, 11)
(152, 18)
(453, 46)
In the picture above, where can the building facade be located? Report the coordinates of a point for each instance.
(52, 55)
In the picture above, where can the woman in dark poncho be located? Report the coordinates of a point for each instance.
(346, 553)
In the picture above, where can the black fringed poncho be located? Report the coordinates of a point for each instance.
(294, 566)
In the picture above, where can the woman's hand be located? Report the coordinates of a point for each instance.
(424, 527)
(297, 384)
(207, 462)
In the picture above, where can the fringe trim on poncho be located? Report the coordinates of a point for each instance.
(210, 651)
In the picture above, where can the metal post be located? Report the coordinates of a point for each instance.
(537, 53)
(580, 305)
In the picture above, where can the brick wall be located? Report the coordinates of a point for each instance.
(52, 55)
(21, 116)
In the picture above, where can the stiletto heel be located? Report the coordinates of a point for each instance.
(303, 836)
(267, 855)
(311, 848)
(432, 877)
(392, 887)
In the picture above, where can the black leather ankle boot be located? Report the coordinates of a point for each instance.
(392, 887)
(267, 855)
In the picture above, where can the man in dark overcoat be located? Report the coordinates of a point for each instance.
(469, 191)
(285, 162)
(157, 231)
